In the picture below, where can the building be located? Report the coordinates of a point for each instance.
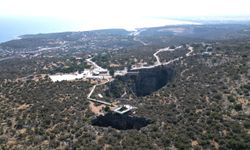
(100, 71)
(124, 109)
(207, 53)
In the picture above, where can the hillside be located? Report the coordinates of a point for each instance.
(196, 98)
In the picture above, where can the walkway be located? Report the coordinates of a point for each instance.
(95, 100)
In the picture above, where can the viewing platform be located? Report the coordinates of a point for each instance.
(124, 109)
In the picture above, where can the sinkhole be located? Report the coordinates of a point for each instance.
(120, 122)
(141, 82)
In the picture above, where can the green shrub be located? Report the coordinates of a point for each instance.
(247, 124)
(238, 107)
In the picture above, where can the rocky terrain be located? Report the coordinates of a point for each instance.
(197, 102)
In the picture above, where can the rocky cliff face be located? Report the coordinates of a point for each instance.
(150, 80)
(142, 83)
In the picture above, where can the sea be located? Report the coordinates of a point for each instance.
(11, 28)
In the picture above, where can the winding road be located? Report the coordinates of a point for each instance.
(158, 62)
(191, 49)
(136, 34)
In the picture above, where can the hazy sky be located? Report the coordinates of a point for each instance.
(89, 9)
(116, 13)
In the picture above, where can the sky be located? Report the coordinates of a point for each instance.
(101, 11)
(89, 9)
(129, 14)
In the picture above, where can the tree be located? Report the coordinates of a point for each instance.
(111, 71)
(238, 107)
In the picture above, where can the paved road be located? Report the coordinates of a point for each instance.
(94, 64)
(161, 50)
(136, 33)
(191, 50)
(158, 62)
(6, 58)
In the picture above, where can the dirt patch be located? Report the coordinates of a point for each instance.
(23, 131)
(194, 143)
(216, 145)
(96, 109)
(243, 101)
(23, 107)
(106, 146)
(11, 142)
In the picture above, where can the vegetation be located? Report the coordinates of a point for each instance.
(204, 106)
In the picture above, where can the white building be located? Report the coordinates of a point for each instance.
(121, 72)
(123, 109)
(100, 71)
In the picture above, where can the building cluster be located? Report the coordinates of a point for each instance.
(95, 74)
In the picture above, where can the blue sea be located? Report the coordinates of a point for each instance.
(11, 28)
